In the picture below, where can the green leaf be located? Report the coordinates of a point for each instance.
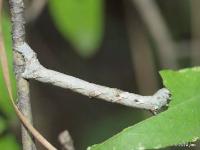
(9, 142)
(3, 125)
(80, 21)
(109, 125)
(178, 125)
(175, 82)
(4, 97)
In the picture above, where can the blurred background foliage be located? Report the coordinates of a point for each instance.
(107, 42)
(7, 139)
(81, 22)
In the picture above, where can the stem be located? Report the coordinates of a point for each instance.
(18, 36)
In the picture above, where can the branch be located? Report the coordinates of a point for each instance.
(34, 70)
(17, 8)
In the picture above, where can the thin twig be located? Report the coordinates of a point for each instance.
(17, 8)
(34, 70)
(66, 141)
(159, 31)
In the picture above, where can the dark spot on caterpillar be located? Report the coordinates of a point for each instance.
(136, 100)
